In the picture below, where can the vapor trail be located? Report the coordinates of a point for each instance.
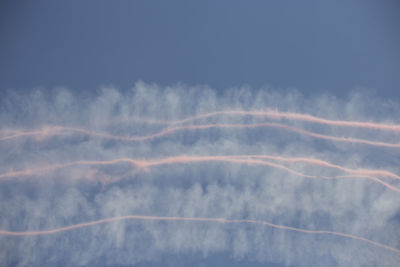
(38, 133)
(325, 164)
(263, 125)
(58, 130)
(143, 164)
(274, 114)
(196, 219)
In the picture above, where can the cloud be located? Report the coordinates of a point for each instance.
(37, 135)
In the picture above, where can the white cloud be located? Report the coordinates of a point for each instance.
(199, 189)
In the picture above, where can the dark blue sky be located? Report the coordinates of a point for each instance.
(315, 46)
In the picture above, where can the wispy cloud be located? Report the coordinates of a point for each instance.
(194, 154)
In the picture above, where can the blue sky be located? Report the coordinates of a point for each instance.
(314, 46)
(84, 81)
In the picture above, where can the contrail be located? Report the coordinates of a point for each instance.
(57, 130)
(263, 125)
(275, 114)
(143, 164)
(197, 219)
(38, 133)
(324, 164)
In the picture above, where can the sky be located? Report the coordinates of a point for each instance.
(225, 129)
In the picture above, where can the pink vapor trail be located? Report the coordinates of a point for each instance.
(196, 219)
(58, 130)
(322, 163)
(276, 114)
(242, 159)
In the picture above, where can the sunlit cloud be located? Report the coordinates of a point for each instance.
(133, 176)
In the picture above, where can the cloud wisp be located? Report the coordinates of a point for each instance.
(238, 159)
(60, 130)
(195, 219)
(179, 170)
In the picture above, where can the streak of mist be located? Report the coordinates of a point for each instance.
(202, 172)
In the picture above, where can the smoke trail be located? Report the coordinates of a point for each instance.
(61, 130)
(144, 165)
(195, 153)
(325, 164)
(270, 114)
(276, 114)
(215, 220)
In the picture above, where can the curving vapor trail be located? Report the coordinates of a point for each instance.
(273, 114)
(222, 177)
(323, 163)
(193, 219)
(59, 130)
(239, 159)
